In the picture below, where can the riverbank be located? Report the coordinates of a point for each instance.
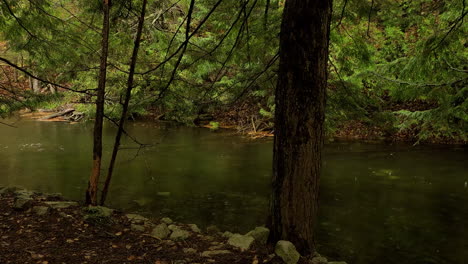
(46, 229)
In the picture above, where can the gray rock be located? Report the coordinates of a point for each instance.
(194, 228)
(23, 193)
(40, 210)
(138, 228)
(189, 250)
(212, 229)
(167, 220)
(210, 253)
(54, 196)
(11, 189)
(173, 227)
(136, 219)
(22, 203)
(287, 252)
(179, 235)
(260, 234)
(227, 234)
(61, 204)
(240, 241)
(318, 260)
(99, 211)
(160, 231)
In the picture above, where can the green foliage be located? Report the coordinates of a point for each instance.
(381, 53)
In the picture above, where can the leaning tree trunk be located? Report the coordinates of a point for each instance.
(128, 94)
(91, 192)
(300, 107)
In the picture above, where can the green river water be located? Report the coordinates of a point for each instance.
(379, 203)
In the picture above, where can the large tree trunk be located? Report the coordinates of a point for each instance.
(300, 107)
(128, 94)
(91, 192)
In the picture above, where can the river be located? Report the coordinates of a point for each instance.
(380, 203)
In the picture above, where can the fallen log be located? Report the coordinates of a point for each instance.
(62, 113)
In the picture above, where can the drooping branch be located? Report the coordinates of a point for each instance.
(43, 80)
(18, 20)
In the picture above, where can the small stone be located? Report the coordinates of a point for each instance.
(240, 241)
(210, 253)
(167, 220)
(138, 228)
(22, 203)
(189, 250)
(40, 210)
(173, 227)
(227, 234)
(260, 234)
(212, 229)
(23, 193)
(6, 190)
(61, 204)
(318, 260)
(99, 211)
(136, 219)
(160, 231)
(179, 234)
(54, 196)
(287, 252)
(194, 228)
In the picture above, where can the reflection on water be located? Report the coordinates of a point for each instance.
(379, 203)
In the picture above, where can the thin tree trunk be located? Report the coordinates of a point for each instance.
(123, 117)
(91, 192)
(35, 86)
(299, 117)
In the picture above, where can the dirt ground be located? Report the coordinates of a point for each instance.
(64, 236)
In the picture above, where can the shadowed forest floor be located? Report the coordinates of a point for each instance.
(64, 235)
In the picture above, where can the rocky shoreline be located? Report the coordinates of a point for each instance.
(46, 228)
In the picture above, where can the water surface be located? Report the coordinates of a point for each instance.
(379, 203)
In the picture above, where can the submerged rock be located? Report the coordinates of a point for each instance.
(61, 204)
(337, 262)
(40, 210)
(260, 234)
(287, 252)
(160, 231)
(240, 241)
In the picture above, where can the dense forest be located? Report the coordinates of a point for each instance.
(397, 69)
(303, 72)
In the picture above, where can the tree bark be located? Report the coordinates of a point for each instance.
(91, 192)
(299, 117)
(128, 94)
